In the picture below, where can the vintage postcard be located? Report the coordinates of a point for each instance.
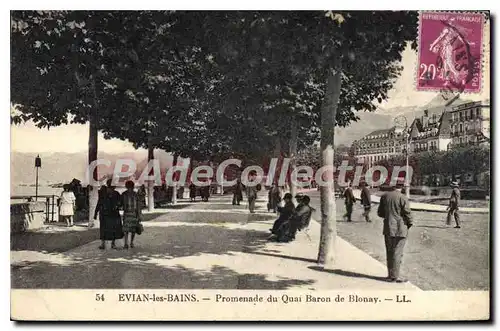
(250, 165)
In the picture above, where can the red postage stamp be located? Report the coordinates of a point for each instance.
(450, 51)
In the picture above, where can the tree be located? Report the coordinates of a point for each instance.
(59, 63)
(354, 55)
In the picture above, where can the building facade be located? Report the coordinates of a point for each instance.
(379, 145)
(470, 124)
(431, 132)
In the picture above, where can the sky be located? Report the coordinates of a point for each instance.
(74, 138)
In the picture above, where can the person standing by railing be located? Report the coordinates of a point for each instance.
(67, 205)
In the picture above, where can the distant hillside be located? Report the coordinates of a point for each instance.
(63, 167)
(367, 123)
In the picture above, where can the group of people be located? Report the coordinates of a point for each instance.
(251, 192)
(112, 225)
(350, 200)
(291, 219)
(164, 194)
(203, 191)
(395, 210)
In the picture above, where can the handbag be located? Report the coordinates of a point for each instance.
(139, 229)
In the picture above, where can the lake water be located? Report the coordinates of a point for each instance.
(30, 190)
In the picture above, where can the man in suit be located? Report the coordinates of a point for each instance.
(350, 200)
(453, 206)
(395, 209)
(366, 201)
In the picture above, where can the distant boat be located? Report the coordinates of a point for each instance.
(58, 185)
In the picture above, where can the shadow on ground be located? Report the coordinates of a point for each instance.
(212, 217)
(52, 242)
(347, 273)
(148, 267)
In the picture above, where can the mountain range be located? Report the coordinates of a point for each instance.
(63, 167)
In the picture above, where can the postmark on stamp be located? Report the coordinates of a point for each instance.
(450, 52)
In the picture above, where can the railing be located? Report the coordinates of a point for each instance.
(50, 204)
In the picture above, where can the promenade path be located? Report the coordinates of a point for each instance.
(205, 245)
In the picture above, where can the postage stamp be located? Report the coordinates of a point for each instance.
(450, 51)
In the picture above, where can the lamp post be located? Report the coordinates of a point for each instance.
(38, 164)
(402, 122)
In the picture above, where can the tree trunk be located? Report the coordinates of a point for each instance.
(292, 154)
(174, 185)
(277, 146)
(92, 156)
(151, 184)
(326, 254)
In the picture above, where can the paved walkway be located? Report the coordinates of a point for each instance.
(206, 245)
(421, 206)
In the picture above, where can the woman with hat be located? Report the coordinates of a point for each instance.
(131, 213)
(67, 205)
(286, 212)
(108, 205)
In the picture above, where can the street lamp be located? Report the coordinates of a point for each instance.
(38, 164)
(402, 122)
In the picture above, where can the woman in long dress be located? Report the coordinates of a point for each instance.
(67, 205)
(238, 193)
(131, 213)
(192, 192)
(109, 215)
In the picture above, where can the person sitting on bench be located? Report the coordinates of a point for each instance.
(299, 221)
(286, 212)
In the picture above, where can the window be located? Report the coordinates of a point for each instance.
(461, 128)
(452, 117)
(478, 111)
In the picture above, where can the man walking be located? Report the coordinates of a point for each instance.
(349, 202)
(366, 201)
(453, 206)
(251, 191)
(395, 209)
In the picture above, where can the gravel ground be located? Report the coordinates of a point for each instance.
(437, 257)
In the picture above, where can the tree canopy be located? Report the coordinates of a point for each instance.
(202, 84)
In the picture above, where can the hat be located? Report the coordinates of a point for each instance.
(299, 196)
(454, 184)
